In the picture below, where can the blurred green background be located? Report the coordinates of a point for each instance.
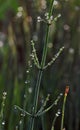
(18, 25)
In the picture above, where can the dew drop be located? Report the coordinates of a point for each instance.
(4, 93)
(20, 122)
(19, 14)
(15, 107)
(46, 14)
(61, 94)
(30, 90)
(32, 55)
(24, 95)
(27, 71)
(38, 18)
(20, 8)
(59, 15)
(23, 114)
(33, 108)
(3, 123)
(57, 114)
(16, 127)
(26, 82)
(55, 3)
(51, 18)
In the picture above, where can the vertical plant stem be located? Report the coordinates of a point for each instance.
(2, 109)
(40, 71)
(45, 48)
(37, 90)
(53, 123)
(39, 80)
(63, 108)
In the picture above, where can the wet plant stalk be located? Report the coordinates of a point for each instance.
(2, 109)
(63, 108)
(39, 81)
(37, 89)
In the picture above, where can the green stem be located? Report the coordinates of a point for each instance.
(51, 8)
(39, 80)
(63, 110)
(45, 48)
(53, 123)
(37, 90)
(40, 71)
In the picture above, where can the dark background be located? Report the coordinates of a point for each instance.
(18, 25)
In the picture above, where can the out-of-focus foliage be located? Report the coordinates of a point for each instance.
(7, 5)
(16, 31)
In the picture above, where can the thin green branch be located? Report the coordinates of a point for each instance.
(44, 104)
(39, 113)
(54, 58)
(34, 54)
(22, 110)
(54, 120)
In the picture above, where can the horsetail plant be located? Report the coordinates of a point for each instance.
(41, 67)
(48, 21)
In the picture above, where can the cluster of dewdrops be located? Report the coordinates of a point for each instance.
(19, 12)
(58, 113)
(48, 19)
(4, 97)
(28, 81)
